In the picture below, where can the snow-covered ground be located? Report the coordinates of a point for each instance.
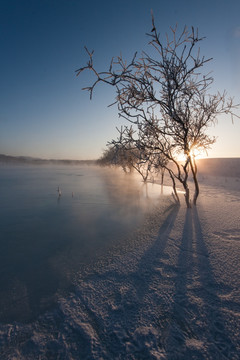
(172, 291)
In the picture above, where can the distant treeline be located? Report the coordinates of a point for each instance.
(211, 166)
(6, 159)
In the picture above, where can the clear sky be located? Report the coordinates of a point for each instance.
(44, 113)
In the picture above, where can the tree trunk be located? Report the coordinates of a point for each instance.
(174, 187)
(185, 183)
(162, 175)
(187, 195)
(194, 173)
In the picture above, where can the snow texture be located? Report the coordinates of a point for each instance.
(172, 293)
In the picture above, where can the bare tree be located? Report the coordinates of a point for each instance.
(116, 156)
(157, 151)
(139, 157)
(108, 157)
(165, 94)
(124, 153)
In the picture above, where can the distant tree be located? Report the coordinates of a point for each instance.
(108, 158)
(126, 157)
(140, 161)
(164, 95)
(137, 157)
(155, 152)
(117, 156)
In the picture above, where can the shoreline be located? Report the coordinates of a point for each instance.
(173, 293)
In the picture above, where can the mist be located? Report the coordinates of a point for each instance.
(47, 239)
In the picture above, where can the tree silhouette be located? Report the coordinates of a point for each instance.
(165, 97)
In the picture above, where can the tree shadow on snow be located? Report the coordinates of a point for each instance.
(195, 326)
(128, 296)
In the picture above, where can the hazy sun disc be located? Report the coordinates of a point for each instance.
(196, 153)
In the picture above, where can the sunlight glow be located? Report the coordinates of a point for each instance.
(195, 153)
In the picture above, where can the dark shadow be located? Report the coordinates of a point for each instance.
(153, 255)
(196, 316)
(137, 284)
(178, 320)
(220, 344)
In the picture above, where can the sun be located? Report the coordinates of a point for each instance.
(194, 153)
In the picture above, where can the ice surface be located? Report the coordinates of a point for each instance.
(171, 292)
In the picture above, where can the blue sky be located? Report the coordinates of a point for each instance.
(43, 111)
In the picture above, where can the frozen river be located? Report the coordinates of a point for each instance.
(45, 240)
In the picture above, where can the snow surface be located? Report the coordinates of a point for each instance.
(172, 291)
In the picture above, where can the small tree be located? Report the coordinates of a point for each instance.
(126, 155)
(116, 156)
(157, 151)
(167, 82)
(139, 157)
(108, 157)
(143, 159)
